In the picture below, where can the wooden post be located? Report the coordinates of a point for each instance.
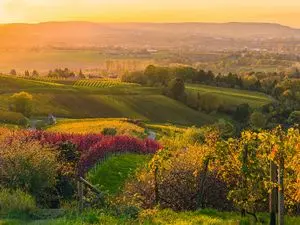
(281, 192)
(202, 177)
(273, 194)
(80, 196)
(156, 186)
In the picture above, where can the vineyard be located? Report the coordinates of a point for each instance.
(85, 126)
(141, 172)
(102, 83)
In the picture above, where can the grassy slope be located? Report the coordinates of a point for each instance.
(156, 217)
(74, 102)
(83, 126)
(233, 96)
(111, 174)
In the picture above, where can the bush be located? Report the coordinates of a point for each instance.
(210, 102)
(258, 120)
(242, 113)
(109, 131)
(177, 180)
(22, 103)
(92, 147)
(15, 202)
(117, 144)
(27, 165)
(294, 117)
(39, 125)
(176, 88)
(69, 158)
(226, 128)
(13, 118)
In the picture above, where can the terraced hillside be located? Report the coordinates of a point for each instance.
(102, 83)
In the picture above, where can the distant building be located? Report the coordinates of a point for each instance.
(151, 135)
(51, 119)
(152, 50)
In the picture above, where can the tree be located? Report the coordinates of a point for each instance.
(26, 73)
(258, 120)
(35, 73)
(81, 75)
(22, 103)
(242, 112)
(176, 88)
(13, 72)
(294, 117)
(210, 102)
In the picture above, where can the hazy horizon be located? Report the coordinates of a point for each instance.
(142, 11)
(146, 22)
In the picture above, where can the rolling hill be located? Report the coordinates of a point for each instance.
(82, 102)
(78, 34)
(233, 97)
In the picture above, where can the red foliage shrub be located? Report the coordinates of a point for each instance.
(92, 147)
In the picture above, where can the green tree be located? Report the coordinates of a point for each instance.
(26, 73)
(22, 103)
(258, 120)
(242, 113)
(294, 117)
(176, 88)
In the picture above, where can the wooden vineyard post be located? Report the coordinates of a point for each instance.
(202, 176)
(281, 192)
(273, 194)
(80, 196)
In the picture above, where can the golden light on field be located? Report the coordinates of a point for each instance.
(32, 11)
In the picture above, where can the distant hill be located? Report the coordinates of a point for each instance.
(78, 34)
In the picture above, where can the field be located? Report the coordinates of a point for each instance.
(118, 100)
(103, 83)
(43, 60)
(84, 126)
(117, 170)
(110, 102)
(233, 96)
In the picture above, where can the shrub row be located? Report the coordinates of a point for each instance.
(13, 118)
(93, 147)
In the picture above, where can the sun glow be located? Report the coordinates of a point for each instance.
(32, 11)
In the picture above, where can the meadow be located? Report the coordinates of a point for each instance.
(115, 99)
(108, 102)
(232, 96)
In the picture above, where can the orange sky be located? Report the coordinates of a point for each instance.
(286, 12)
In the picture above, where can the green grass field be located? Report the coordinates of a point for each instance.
(111, 102)
(233, 96)
(153, 217)
(111, 174)
(119, 101)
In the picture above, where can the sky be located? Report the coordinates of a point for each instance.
(286, 12)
